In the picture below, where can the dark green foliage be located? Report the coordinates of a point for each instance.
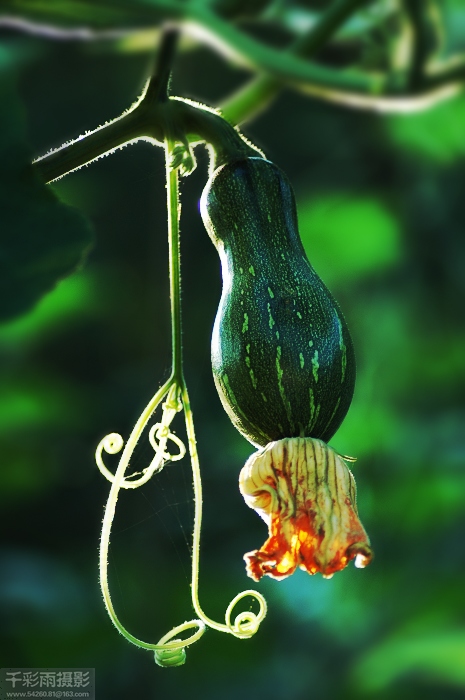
(282, 356)
(41, 239)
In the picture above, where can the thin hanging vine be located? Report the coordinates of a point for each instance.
(168, 651)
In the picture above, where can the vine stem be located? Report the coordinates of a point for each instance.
(106, 531)
(436, 86)
(174, 212)
(175, 382)
(174, 208)
(246, 624)
(169, 651)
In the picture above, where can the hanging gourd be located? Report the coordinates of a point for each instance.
(284, 367)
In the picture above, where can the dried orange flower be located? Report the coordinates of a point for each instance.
(306, 494)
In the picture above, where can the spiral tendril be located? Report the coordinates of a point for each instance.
(113, 443)
(170, 658)
(168, 655)
(159, 431)
(246, 623)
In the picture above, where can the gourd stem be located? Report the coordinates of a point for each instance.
(174, 210)
(177, 366)
(246, 624)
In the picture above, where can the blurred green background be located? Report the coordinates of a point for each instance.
(381, 202)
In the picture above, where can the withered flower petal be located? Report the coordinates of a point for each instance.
(306, 494)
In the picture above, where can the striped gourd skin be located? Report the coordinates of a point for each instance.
(282, 356)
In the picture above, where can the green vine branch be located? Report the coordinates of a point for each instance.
(261, 90)
(284, 67)
(425, 86)
(155, 119)
(184, 121)
(350, 88)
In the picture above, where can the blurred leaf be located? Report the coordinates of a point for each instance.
(42, 240)
(434, 655)
(348, 237)
(436, 134)
(370, 426)
(432, 365)
(427, 502)
(33, 402)
(38, 416)
(72, 298)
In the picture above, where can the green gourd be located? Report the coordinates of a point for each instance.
(282, 357)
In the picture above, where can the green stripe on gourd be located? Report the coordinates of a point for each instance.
(282, 356)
